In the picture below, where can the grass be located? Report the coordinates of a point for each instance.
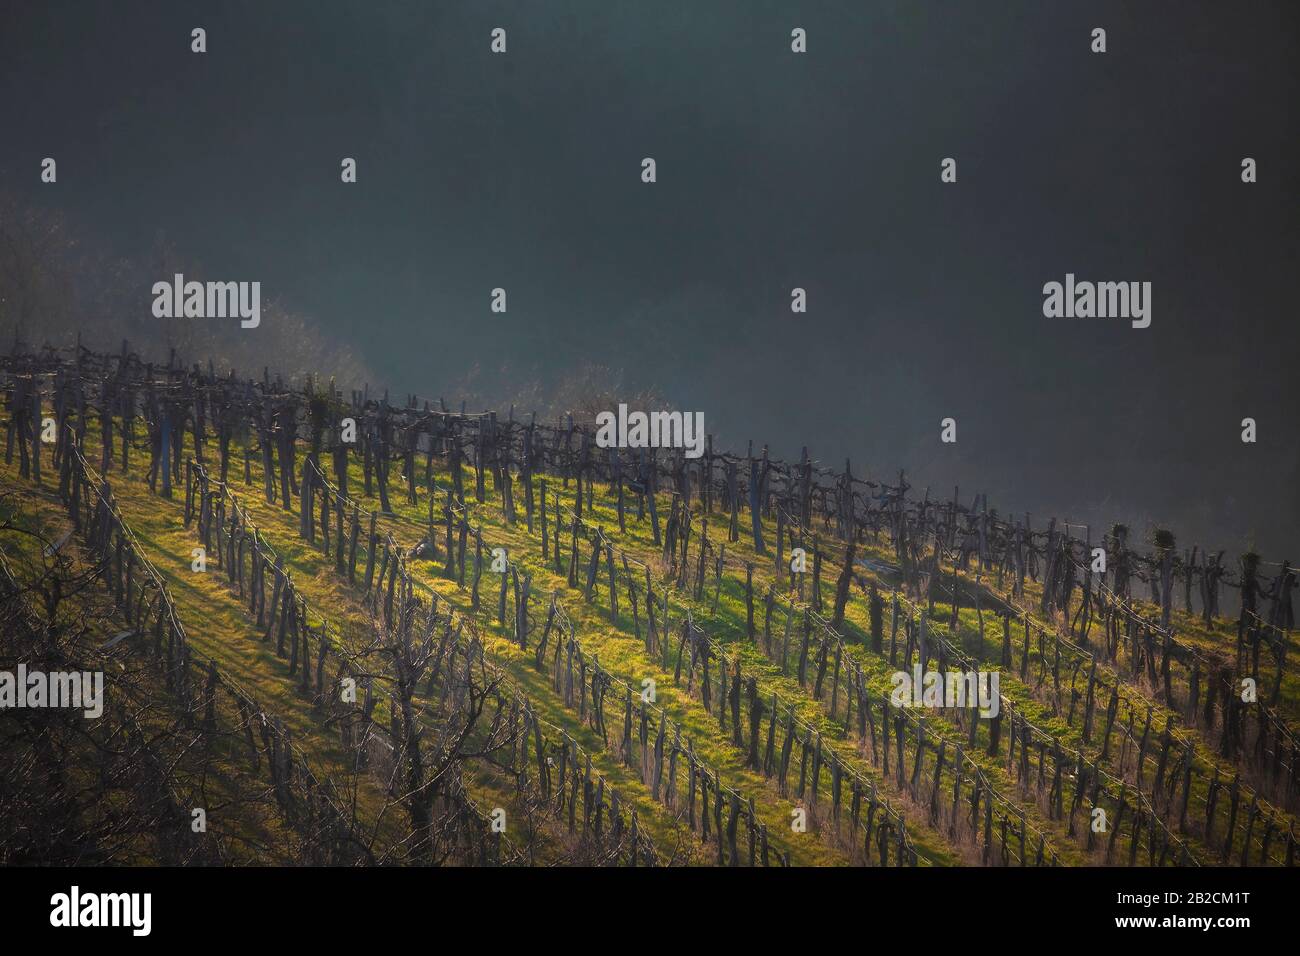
(220, 628)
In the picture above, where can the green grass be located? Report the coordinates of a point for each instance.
(219, 627)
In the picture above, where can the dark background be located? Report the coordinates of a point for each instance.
(775, 170)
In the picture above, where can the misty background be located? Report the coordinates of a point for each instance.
(775, 170)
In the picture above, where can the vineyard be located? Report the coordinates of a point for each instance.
(355, 631)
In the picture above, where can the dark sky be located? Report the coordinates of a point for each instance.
(775, 170)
